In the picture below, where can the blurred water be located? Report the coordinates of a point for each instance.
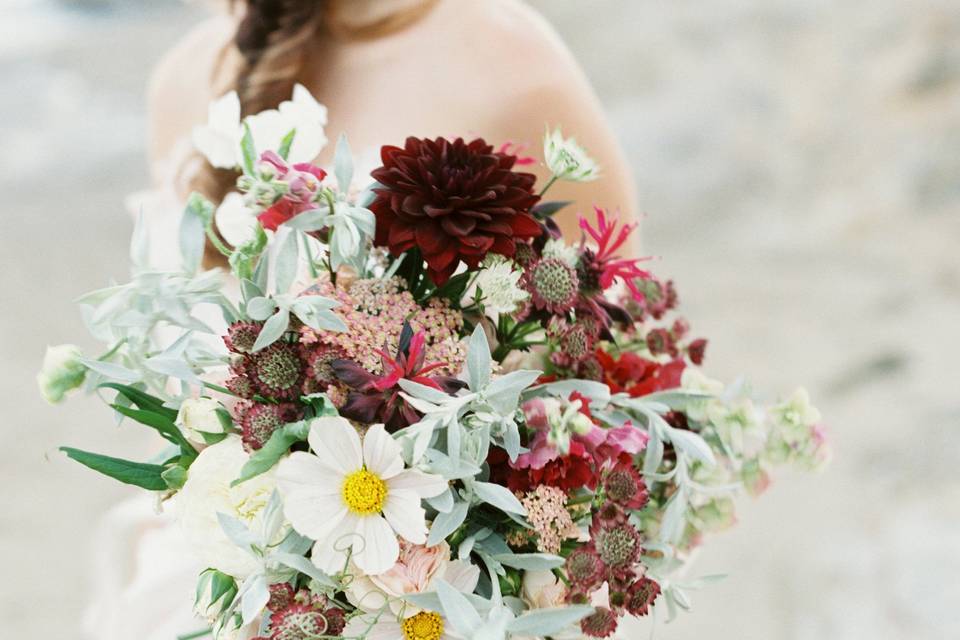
(798, 162)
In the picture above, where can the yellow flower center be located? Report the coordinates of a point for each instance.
(426, 625)
(364, 493)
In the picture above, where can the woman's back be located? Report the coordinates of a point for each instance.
(492, 69)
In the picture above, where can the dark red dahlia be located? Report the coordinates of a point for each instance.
(455, 201)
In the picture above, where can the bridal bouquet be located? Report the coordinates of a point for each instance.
(412, 410)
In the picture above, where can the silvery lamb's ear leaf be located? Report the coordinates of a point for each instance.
(236, 531)
(547, 622)
(261, 272)
(446, 523)
(418, 390)
(457, 610)
(443, 503)
(503, 393)
(530, 561)
(173, 368)
(304, 566)
(287, 258)
(478, 359)
(192, 231)
(498, 496)
(311, 220)
(272, 330)
(653, 455)
(343, 165)
(671, 528)
(112, 371)
(314, 311)
(598, 392)
(511, 439)
(693, 445)
(139, 243)
(255, 598)
(250, 291)
(260, 308)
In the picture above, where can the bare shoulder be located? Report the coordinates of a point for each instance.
(180, 84)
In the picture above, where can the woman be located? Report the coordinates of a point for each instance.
(385, 69)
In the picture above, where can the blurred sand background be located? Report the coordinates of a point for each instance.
(799, 161)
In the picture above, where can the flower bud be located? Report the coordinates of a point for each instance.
(62, 372)
(199, 415)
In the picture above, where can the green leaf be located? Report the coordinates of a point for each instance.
(175, 477)
(272, 330)
(196, 217)
(530, 561)
(446, 523)
(478, 359)
(498, 496)
(248, 149)
(549, 621)
(140, 474)
(547, 209)
(164, 427)
(263, 459)
(284, 150)
(142, 399)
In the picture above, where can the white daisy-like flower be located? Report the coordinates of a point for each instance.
(426, 625)
(498, 282)
(567, 160)
(355, 496)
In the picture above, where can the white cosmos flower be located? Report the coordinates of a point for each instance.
(352, 494)
(219, 139)
(426, 625)
(416, 571)
(498, 282)
(207, 492)
(567, 160)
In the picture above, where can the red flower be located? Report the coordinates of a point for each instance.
(303, 181)
(638, 376)
(455, 201)
(567, 472)
(376, 398)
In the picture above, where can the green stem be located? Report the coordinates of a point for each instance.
(332, 204)
(218, 388)
(216, 242)
(548, 185)
(196, 634)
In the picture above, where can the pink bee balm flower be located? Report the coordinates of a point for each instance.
(606, 262)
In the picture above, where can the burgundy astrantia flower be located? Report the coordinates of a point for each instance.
(376, 398)
(456, 201)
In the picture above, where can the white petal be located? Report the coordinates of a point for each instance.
(330, 553)
(425, 485)
(405, 515)
(337, 444)
(381, 453)
(379, 549)
(384, 628)
(365, 595)
(235, 222)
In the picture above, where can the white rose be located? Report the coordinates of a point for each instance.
(199, 415)
(62, 372)
(207, 492)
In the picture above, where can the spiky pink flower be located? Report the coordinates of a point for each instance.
(606, 262)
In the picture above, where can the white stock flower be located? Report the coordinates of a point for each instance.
(417, 570)
(219, 139)
(498, 282)
(355, 495)
(207, 492)
(567, 160)
(236, 222)
(198, 415)
(62, 371)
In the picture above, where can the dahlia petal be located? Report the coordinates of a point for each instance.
(401, 237)
(437, 212)
(336, 444)
(362, 407)
(431, 238)
(406, 516)
(381, 453)
(525, 225)
(413, 204)
(457, 225)
(377, 548)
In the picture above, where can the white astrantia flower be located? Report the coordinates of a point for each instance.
(567, 160)
(498, 282)
(219, 139)
(198, 416)
(207, 493)
(353, 495)
(562, 251)
(235, 221)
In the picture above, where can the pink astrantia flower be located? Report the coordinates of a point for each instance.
(609, 265)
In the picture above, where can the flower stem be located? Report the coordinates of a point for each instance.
(549, 184)
(216, 242)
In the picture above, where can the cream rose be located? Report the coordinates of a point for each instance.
(199, 415)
